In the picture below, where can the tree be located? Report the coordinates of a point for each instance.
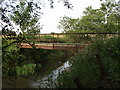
(25, 14)
(104, 19)
(92, 21)
(111, 15)
(68, 24)
(27, 17)
(95, 67)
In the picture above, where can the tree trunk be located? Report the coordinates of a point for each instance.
(78, 83)
(101, 67)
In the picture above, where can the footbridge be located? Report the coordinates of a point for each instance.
(60, 41)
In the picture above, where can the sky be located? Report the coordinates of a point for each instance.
(51, 17)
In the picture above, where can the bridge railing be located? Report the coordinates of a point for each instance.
(64, 37)
(68, 37)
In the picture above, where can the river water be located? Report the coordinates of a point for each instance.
(46, 81)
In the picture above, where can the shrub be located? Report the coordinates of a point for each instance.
(86, 69)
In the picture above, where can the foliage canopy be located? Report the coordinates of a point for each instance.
(105, 19)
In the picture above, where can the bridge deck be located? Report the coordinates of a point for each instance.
(57, 46)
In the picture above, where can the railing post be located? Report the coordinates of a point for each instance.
(39, 37)
(76, 47)
(53, 45)
(53, 41)
(57, 38)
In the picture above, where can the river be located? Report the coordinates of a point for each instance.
(44, 82)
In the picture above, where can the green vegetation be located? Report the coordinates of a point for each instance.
(22, 14)
(45, 60)
(100, 20)
(25, 16)
(30, 61)
(13, 62)
(16, 61)
(25, 69)
(85, 66)
(96, 66)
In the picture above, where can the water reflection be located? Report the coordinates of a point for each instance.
(46, 82)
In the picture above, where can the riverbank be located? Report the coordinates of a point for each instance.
(48, 59)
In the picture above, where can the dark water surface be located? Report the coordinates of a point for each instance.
(30, 82)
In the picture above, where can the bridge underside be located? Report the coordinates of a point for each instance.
(55, 46)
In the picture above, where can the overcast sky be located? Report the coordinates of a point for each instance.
(51, 17)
